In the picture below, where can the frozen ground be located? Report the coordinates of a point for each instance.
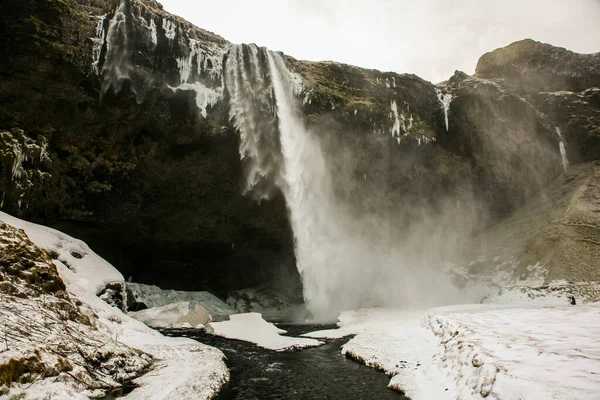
(183, 368)
(519, 351)
(251, 327)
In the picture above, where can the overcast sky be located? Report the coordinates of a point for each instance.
(430, 38)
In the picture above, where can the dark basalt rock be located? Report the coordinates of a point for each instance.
(137, 306)
(530, 67)
(138, 174)
(577, 115)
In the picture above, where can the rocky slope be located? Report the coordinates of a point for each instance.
(48, 335)
(553, 238)
(115, 128)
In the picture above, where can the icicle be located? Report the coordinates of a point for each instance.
(563, 150)
(445, 100)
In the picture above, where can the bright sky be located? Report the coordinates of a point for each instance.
(430, 38)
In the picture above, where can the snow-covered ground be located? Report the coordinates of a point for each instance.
(183, 368)
(251, 327)
(520, 351)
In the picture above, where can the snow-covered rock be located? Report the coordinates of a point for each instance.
(182, 368)
(251, 327)
(153, 296)
(47, 334)
(176, 315)
(92, 272)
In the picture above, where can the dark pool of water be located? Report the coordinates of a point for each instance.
(313, 373)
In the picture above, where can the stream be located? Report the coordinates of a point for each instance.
(312, 373)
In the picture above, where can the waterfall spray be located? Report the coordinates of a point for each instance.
(344, 262)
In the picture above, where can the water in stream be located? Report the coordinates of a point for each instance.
(313, 373)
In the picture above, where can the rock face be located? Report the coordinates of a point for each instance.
(561, 84)
(129, 108)
(531, 67)
(559, 231)
(140, 175)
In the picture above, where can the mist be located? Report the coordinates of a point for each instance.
(356, 245)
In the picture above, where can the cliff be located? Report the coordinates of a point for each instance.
(116, 129)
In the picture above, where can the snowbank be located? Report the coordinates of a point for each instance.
(153, 296)
(183, 368)
(527, 350)
(92, 272)
(177, 315)
(253, 328)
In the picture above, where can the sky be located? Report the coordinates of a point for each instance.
(430, 38)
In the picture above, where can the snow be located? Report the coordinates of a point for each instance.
(153, 32)
(176, 315)
(183, 369)
(186, 369)
(170, 28)
(92, 272)
(251, 327)
(205, 96)
(541, 350)
(98, 42)
(153, 296)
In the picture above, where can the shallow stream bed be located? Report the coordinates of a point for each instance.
(313, 373)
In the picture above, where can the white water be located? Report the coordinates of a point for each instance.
(345, 261)
(251, 110)
(563, 151)
(116, 67)
(445, 100)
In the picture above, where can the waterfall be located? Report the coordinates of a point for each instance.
(563, 151)
(116, 67)
(445, 100)
(252, 110)
(345, 262)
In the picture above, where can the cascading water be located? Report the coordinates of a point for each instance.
(563, 150)
(345, 262)
(252, 111)
(445, 99)
(116, 67)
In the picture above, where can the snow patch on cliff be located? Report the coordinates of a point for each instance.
(170, 28)
(205, 97)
